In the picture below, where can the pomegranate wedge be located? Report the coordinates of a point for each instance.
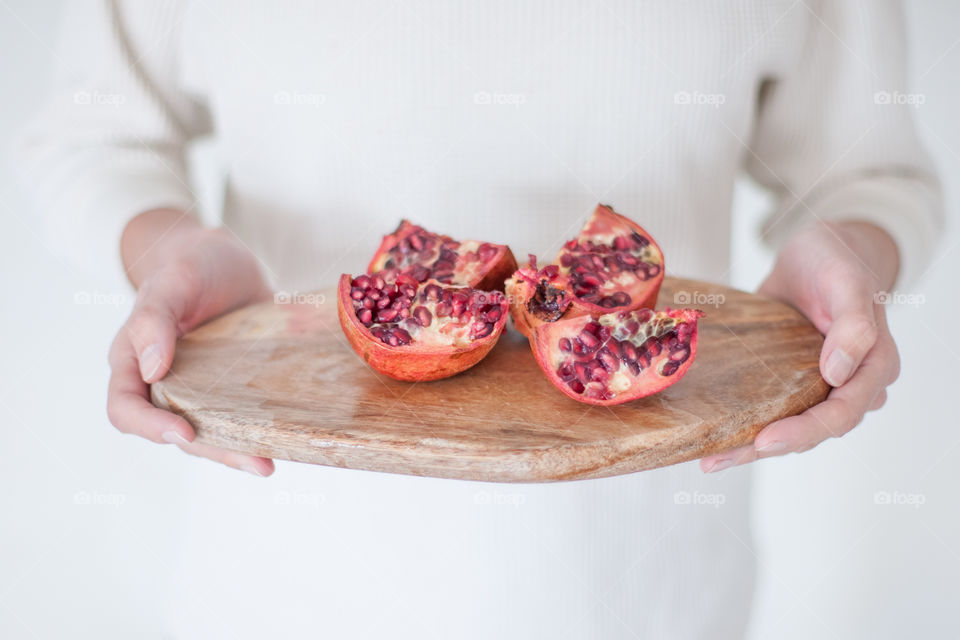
(617, 357)
(413, 251)
(613, 264)
(416, 331)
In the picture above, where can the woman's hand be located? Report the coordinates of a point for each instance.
(185, 275)
(831, 273)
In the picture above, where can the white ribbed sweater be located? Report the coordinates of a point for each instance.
(503, 121)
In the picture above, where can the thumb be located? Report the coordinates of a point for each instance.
(154, 324)
(852, 332)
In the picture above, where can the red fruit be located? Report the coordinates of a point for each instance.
(613, 264)
(617, 357)
(412, 250)
(424, 331)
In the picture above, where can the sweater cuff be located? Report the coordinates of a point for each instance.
(906, 208)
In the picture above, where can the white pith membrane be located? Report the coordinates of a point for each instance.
(424, 255)
(605, 267)
(605, 357)
(429, 314)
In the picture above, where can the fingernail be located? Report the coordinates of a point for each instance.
(839, 367)
(720, 465)
(174, 437)
(773, 447)
(150, 362)
(249, 468)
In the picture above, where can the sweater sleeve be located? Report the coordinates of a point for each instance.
(111, 142)
(835, 138)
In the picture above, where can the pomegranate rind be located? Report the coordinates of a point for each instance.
(546, 339)
(410, 363)
(489, 276)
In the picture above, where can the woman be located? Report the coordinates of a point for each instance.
(506, 122)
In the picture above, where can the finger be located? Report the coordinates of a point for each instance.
(153, 325)
(727, 459)
(853, 328)
(879, 401)
(837, 415)
(256, 465)
(128, 407)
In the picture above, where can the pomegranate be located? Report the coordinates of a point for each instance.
(418, 331)
(613, 264)
(412, 250)
(617, 357)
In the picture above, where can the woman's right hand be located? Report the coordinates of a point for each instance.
(185, 275)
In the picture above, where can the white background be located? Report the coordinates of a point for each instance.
(83, 512)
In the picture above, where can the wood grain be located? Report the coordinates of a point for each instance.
(280, 380)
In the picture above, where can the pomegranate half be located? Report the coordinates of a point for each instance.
(617, 357)
(613, 264)
(412, 250)
(416, 331)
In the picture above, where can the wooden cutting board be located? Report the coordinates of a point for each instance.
(280, 380)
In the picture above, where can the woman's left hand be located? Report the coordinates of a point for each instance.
(832, 273)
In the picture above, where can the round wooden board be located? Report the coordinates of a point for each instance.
(280, 380)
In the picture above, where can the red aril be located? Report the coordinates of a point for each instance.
(416, 331)
(413, 251)
(612, 265)
(617, 357)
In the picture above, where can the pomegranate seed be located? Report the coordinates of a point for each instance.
(356, 293)
(565, 344)
(620, 243)
(443, 310)
(653, 270)
(416, 242)
(362, 282)
(644, 315)
(378, 282)
(402, 336)
(670, 368)
(577, 386)
(582, 370)
(680, 355)
(652, 347)
(368, 303)
(608, 360)
(593, 327)
(589, 340)
(487, 252)
(423, 316)
(419, 273)
(383, 303)
(621, 298)
(493, 315)
(684, 331)
(566, 260)
(387, 315)
(629, 351)
(365, 316)
(565, 371)
(634, 368)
